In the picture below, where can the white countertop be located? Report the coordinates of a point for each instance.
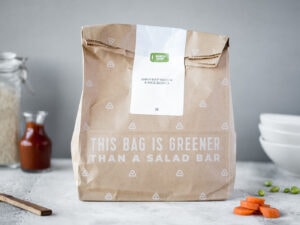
(56, 190)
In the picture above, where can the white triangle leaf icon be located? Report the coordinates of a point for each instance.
(224, 173)
(132, 173)
(132, 126)
(202, 196)
(202, 104)
(155, 196)
(225, 82)
(109, 106)
(108, 196)
(110, 40)
(179, 126)
(110, 64)
(89, 83)
(179, 173)
(225, 126)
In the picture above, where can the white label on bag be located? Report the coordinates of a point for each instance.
(158, 71)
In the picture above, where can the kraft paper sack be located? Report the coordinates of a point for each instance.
(155, 119)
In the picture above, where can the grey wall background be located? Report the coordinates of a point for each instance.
(265, 53)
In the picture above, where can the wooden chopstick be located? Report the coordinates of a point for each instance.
(29, 206)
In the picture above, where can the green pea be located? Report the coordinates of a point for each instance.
(261, 192)
(268, 183)
(295, 190)
(286, 190)
(274, 189)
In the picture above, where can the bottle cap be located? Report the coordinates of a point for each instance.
(40, 117)
(28, 116)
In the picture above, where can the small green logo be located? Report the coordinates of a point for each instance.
(159, 57)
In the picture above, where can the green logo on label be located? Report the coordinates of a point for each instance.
(159, 57)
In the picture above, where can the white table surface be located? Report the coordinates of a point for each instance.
(56, 190)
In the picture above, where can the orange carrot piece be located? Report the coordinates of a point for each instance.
(243, 211)
(249, 205)
(256, 206)
(256, 200)
(269, 212)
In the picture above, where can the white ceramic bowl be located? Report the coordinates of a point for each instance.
(278, 136)
(285, 156)
(288, 123)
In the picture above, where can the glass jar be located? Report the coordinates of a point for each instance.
(35, 145)
(12, 73)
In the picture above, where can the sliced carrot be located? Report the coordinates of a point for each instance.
(256, 206)
(269, 212)
(256, 200)
(257, 212)
(243, 211)
(249, 205)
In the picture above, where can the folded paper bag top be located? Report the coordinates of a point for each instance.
(155, 119)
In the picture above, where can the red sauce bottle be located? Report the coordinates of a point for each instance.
(35, 145)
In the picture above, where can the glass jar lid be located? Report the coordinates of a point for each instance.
(9, 62)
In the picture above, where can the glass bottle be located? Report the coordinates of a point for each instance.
(12, 73)
(35, 145)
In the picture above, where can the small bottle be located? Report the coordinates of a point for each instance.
(35, 145)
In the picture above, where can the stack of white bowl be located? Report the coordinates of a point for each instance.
(280, 139)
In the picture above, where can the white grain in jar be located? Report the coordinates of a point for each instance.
(9, 108)
(12, 72)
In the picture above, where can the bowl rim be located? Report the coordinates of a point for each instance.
(294, 147)
(278, 118)
(278, 131)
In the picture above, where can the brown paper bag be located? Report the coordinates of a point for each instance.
(122, 154)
